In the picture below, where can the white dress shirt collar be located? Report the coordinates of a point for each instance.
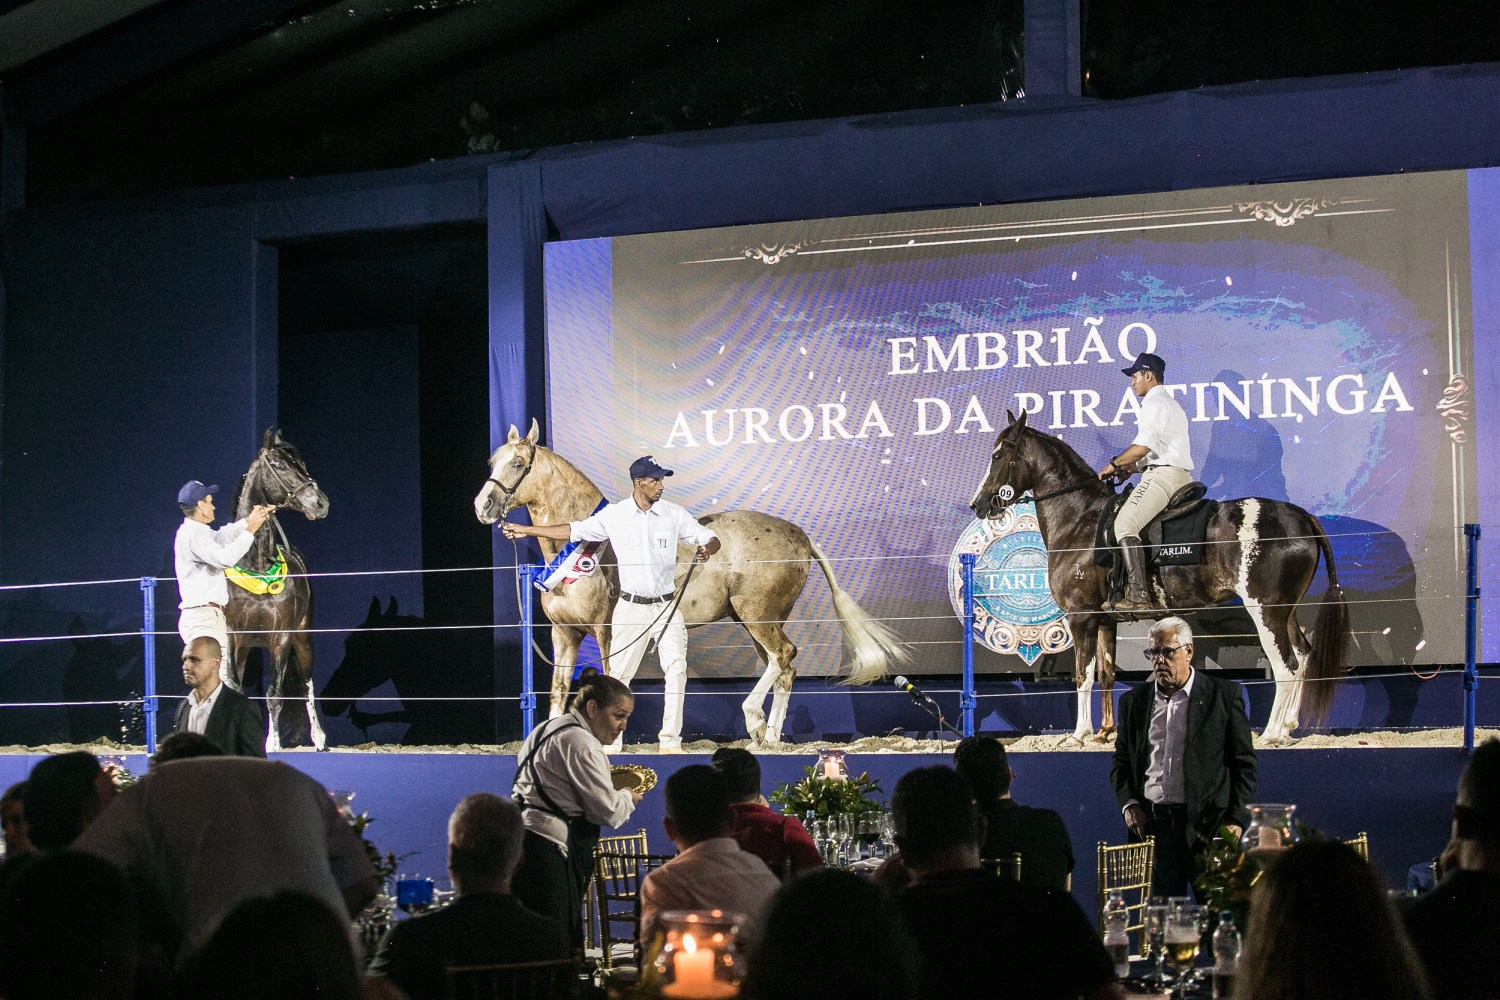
(199, 711)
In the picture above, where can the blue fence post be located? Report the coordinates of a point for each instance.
(1471, 636)
(529, 573)
(148, 635)
(967, 701)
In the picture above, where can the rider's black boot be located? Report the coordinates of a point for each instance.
(1137, 596)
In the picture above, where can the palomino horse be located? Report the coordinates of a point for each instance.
(754, 579)
(1264, 552)
(279, 619)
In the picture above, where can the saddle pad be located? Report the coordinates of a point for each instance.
(1175, 541)
(1181, 542)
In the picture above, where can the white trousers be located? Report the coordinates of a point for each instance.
(1149, 498)
(205, 619)
(633, 626)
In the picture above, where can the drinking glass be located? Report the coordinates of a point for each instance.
(869, 833)
(1156, 912)
(848, 828)
(887, 834)
(414, 893)
(1182, 938)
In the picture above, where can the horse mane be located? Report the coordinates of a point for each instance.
(1058, 456)
(239, 491)
(560, 465)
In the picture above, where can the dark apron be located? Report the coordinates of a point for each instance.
(583, 836)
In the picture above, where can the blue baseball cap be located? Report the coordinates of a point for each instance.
(192, 491)
(1146, 362)
(645, 467)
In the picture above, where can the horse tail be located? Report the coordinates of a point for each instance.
(1330, 645)
(874, 645)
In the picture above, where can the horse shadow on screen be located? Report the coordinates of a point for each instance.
(63, 670)
(103, 669)
(1244, 452)
(427, 668)
(1379, 579)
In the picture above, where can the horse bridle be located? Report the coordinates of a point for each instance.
(281, 481)
(1006, 495)
(509, 492)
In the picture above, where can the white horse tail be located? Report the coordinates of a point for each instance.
(874, 645)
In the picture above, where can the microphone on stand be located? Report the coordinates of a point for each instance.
(913, 690)
(929, 706)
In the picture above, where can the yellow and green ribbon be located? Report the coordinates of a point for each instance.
(272, 580)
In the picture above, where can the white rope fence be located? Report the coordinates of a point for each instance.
(897, 623)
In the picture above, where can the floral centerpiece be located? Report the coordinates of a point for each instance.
(1230, 869)
(1229, 874)
(387, 864)
(825, 797)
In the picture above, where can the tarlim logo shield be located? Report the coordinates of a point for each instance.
(1014, 612)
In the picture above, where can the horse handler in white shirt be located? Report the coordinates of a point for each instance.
(644, 530)
(202, 555)
(1161, 439)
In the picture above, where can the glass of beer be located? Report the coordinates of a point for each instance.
(1155, 916)
(1182, 938)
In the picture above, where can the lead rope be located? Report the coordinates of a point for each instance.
(667, 612)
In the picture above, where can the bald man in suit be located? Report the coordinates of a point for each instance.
(233, 722)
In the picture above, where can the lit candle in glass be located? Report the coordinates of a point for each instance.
(698, 960)
(831, 765)
(692, 972)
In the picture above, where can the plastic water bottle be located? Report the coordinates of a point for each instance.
(1226, 956)
(1116, 938)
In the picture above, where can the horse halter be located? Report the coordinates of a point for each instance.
(509, 492)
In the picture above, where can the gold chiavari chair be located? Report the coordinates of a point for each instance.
(1126, 868)
(552, 980)
(1007, 867)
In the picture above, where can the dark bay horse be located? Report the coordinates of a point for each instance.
(1264, 552)
(755, 579)
(278, 621)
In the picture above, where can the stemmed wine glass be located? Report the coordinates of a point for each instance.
(848, 828)
(1155, 916)
(869, 833)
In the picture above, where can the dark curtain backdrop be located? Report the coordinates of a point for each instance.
(140, 339)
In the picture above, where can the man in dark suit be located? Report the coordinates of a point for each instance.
(980, 937)
(1038, 834)
(486, 924)
(1184, 765)
(1454, 927)
(233, 722)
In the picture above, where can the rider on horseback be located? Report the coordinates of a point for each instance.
(1161, 440)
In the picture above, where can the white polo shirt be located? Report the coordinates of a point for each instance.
(645, 541)
(1162, 426)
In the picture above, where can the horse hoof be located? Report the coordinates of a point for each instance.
(1102, 736)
